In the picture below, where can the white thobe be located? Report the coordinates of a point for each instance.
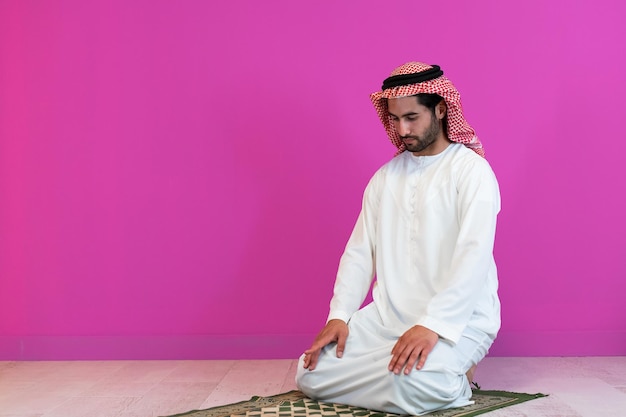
(426, 233)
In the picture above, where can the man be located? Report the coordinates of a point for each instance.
(426, 232)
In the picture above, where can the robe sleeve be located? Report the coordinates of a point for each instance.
(449, 311)
(357, 264)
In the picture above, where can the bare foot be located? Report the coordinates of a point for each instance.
(470, 374)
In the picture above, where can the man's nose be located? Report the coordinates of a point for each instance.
(404, 129)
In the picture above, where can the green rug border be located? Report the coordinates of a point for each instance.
(217, 407)
(516, 398)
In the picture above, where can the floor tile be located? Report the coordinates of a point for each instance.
(93, 407)
(200, 371)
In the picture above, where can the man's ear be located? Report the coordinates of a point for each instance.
(441, 109)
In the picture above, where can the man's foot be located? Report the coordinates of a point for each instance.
(470, 374)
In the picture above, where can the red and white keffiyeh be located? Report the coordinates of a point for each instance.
(458, 129)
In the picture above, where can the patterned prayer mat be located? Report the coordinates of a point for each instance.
(295, 404)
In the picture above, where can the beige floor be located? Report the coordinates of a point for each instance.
(578, 387)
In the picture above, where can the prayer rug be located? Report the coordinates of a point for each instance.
(295, 404)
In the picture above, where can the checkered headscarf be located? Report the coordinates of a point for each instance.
(458, 128)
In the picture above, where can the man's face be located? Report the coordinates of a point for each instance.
(416, 124)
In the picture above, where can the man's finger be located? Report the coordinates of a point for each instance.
(306, 361)
(341, 345)
(411, 361)
(395, 353)
(392, 363)
(310, 359)
(423, 355)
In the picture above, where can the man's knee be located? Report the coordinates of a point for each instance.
(432, 389)
(303, 379)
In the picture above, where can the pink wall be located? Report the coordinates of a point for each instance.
(178, 179)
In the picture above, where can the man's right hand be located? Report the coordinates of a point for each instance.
(335, 331)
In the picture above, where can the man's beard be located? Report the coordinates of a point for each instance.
(428, 138)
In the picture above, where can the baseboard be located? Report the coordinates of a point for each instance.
(560, 343)
(273, 346)
(174, 347)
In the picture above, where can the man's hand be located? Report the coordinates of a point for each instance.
(334, 331)
(413, 346)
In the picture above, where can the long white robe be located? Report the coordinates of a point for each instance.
(426, 233)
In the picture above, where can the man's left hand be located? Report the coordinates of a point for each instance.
(413, 346)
